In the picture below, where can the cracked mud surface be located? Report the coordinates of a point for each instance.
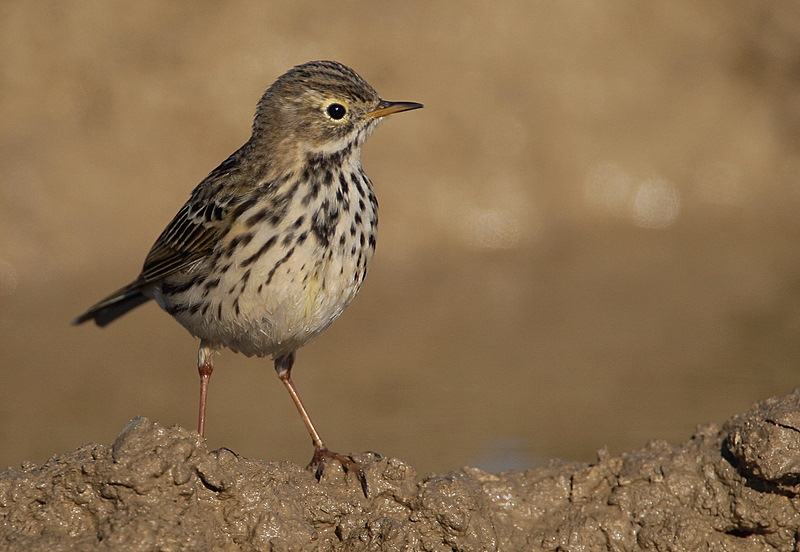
(156, 488)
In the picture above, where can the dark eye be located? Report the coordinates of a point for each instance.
(336, 111)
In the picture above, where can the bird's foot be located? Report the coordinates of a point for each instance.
(322, 456)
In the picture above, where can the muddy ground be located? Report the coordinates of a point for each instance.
(733, 488)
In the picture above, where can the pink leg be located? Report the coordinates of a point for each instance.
(204, 367)
(283, 365)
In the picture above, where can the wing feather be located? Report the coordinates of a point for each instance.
(202, 221)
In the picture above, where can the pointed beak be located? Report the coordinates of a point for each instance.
(387, 108)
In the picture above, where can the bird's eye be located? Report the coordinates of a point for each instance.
(336, 111)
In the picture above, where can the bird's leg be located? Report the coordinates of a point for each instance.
(283, 365)
(205, 366)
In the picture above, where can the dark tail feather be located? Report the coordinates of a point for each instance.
(114, 306)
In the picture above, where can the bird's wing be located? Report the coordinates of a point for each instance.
(189, 237)
(200, 224)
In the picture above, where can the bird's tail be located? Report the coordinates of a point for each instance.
(115, 305)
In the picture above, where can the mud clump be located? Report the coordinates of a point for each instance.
(157, 488)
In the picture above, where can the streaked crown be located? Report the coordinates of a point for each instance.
(321, 107)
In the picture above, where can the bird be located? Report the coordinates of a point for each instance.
(275, 242)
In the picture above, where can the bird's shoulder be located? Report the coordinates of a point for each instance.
(212, 208)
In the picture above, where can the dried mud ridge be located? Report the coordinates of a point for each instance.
(156, 488)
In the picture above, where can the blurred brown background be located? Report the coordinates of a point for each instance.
(589, 236)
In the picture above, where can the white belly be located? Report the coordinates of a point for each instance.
(286, 285)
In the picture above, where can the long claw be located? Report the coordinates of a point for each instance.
(323, 455)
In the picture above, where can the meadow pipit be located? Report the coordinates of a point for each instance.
(275, 242)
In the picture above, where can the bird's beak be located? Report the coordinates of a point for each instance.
(387, 108)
